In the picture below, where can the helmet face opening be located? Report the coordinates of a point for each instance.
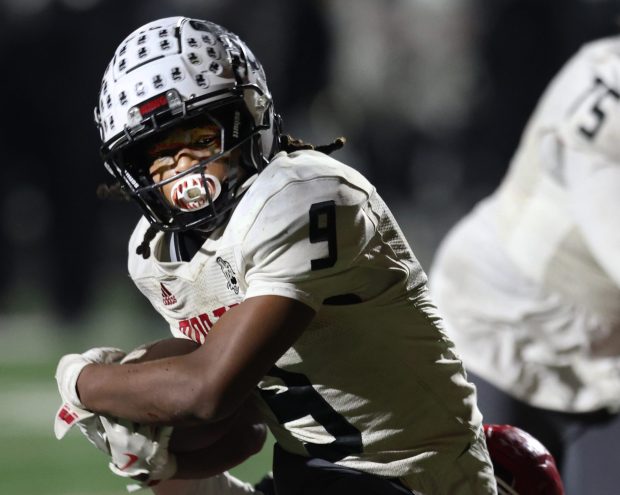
(180, 74)
(230, 138)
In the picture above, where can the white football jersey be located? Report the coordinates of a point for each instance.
(373, 383)
(529, 282)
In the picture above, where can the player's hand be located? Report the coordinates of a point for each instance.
(139, 452)
(136, 451)
(87, 422)
(71, 365)
(71, 411)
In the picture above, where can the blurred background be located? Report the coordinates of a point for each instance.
(432, 96)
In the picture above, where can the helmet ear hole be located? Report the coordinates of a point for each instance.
(258, 104)
(261, 109)
(207, 70)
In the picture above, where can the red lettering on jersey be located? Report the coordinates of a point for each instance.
(198, 327)
(220, 311)
(204, 319)
(184, 327)
(193, 329)
(200, 332)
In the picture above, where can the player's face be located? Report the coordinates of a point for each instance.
(180, 150)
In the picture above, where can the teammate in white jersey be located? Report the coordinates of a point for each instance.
(529, 281)
(288, 268)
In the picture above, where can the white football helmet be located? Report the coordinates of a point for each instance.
(179, 71)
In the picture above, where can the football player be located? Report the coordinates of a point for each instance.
(529, 281)
(289, 270)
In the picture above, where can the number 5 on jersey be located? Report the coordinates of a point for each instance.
(596, 111)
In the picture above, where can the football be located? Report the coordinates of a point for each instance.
(245, 424)
(160, 349)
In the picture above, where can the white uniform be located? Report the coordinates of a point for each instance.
(529, 282)
(373, 383)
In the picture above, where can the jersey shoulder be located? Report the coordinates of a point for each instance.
(291, 184)
(312, 168)
(599, 49)
(301, 226)
(591, 123)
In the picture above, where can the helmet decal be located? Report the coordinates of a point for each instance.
(158, 81)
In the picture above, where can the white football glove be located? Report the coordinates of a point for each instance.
(139, 451)
(71, 365)
(135, 450)
(87, 422)
(72, 410)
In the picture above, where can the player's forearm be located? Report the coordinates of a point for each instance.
(208, 384)
(157, 392)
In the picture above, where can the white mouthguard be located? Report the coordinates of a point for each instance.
(189, 193)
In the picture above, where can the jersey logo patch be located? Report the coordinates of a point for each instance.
(167, 296)
(228, 272)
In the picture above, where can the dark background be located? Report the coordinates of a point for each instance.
(431, 95)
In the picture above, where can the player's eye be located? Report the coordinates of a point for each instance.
(204, 142)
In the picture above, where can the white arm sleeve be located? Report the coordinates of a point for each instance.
(591, 153)
(594, 185)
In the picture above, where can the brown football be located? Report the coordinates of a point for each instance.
(161, 349)
(245, 427)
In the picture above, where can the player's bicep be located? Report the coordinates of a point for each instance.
(243, 345)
